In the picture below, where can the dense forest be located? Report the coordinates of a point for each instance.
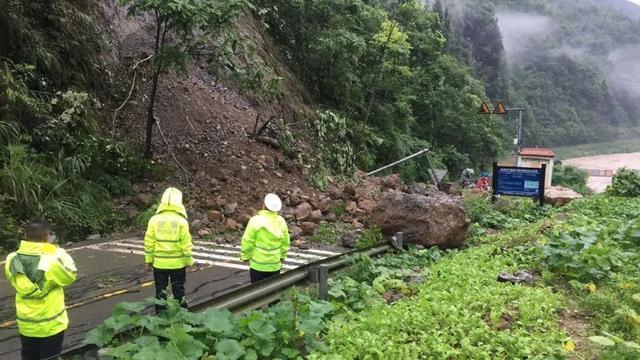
(572, 64)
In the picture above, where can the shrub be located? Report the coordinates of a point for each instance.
(571, 177)
(625, 182)
(369, 237)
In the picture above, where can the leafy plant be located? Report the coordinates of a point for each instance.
(289, 329)
(326, 234)
(369, 237)
(625, 182)
(583, 251)
(571, 177)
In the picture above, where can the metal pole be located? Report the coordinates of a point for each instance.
(399, 161)
(519, 130)
(520, 111)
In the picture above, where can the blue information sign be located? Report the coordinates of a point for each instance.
(519, 181)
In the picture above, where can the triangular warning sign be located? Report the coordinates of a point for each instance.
(500, 109)
(484, 109)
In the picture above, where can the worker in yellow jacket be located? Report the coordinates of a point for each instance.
(265, 242)
(39, 270)
(167, 246)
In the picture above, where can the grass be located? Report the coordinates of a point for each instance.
(614, 147)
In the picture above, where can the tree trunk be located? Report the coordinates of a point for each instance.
(148, 153)
(150, 119)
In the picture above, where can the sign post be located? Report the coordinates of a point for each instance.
(519, 181)
(501, 109)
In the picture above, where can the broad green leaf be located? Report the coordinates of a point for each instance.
(100, 336)
(636, 297)
(123, 351)
(229, 349)
(130, 307)
(220, 322)
(631, 344)
(184, 343)
(262, 329)
(604, 341)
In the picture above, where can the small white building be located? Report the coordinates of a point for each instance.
(534, 158)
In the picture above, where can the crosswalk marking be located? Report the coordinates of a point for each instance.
(214, 254)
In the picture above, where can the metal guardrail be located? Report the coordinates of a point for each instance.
(261, 293)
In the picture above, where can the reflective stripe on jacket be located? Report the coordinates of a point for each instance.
(39, 271)
(265, 241)
(167, 242)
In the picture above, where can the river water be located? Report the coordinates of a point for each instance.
(604, 162)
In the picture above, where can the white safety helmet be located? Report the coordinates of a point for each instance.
(272, 202)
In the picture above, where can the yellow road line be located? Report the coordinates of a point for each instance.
(12, 323)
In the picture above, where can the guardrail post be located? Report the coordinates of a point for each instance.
(323, 282)
(312, 276)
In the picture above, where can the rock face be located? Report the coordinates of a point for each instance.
(558, 195)
(429, 221)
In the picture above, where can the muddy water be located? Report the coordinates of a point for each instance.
(604, 162)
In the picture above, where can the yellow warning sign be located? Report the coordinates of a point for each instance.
(484, 109)
(500, 109)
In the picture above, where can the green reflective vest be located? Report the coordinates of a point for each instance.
(38, 272)
(167, 242)
(265, 241)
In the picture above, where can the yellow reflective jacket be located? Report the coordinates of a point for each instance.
(38, 271)
(167, 242)
(265, 241)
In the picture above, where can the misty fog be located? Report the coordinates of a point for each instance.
(524, 33)
(520, 32)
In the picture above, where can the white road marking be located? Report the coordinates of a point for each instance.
(198, 253)
(208, 252)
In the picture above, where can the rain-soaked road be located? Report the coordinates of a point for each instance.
(113, 271)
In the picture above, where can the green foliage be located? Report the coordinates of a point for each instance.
(369, 237)
(338, 208)
(625, 182)
(333, 153)
(571, 177)
(381, 67)
(459, 296)
(146, 215)
(53, 161)
(240, 61)
(582, 250)
(289, 329)
(505, 213)
(328, 234)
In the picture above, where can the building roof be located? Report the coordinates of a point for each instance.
(540, 152)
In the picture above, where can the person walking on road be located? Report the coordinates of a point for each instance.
(39, 270)
(167, 247)
(265, 242)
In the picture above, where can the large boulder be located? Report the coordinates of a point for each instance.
(558, 195)
(429, 221)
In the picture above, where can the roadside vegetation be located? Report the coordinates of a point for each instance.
(571, 177)
(439, 304)
(55, 163)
